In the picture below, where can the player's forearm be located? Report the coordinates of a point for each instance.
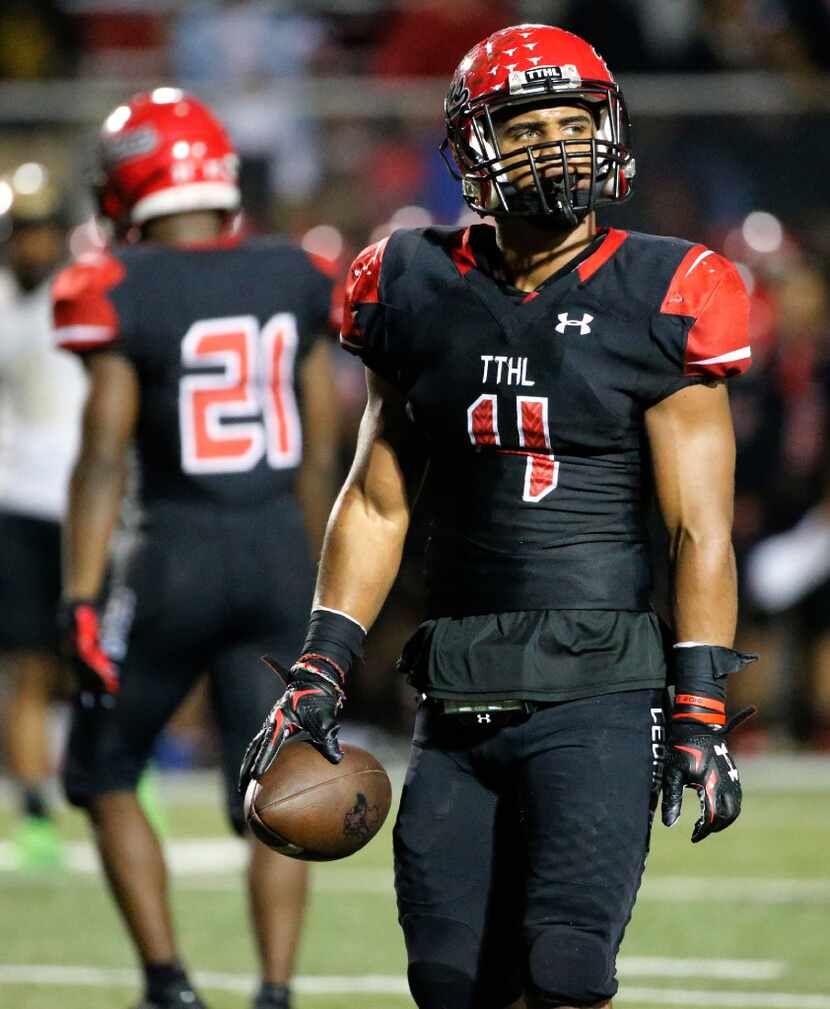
(95, 493)
(361, 556)
(705, 589)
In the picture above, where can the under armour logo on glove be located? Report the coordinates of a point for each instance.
(583, 323)
(722, 751)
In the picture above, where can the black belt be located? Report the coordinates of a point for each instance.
(493, 713)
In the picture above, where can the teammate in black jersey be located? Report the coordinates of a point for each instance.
(537, 380)
(204, 350)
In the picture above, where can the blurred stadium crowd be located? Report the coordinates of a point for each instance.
(335, 107)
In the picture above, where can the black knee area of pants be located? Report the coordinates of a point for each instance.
(76, 791)
(82, 784)
(446, 970)
(570, 967)
(439, 986)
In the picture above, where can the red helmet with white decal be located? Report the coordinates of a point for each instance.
(527, 66)
(164, 152)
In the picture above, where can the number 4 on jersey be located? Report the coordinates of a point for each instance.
(542, 469)
(230, 418)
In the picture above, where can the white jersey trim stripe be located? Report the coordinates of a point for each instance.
(83, 334)
(732, 355)
(699, 260)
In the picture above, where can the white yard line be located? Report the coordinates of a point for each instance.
(721, 970)
(788, 773)
(213, 863)
(379, 984)
(721, 999)
(748, 889)
(98, 977)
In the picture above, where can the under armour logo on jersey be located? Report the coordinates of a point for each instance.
(583, 323)
(722, 751)
(483, 719)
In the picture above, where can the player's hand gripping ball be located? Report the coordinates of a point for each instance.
(310, 809)
(305, 795)
(310, 705)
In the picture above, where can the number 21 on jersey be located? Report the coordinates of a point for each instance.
(541, 469)
(245, 408)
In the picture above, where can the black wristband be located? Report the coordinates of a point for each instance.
(336, 636)
(702, 669)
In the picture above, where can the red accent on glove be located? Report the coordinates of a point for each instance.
(695, 752)
(697, 708)
(304, 662)
(300, 694)
(700, 702)
(88, 644)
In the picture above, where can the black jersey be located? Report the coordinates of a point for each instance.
(216, 334)
(533, 408)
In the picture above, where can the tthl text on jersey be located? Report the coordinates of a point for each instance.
(505, 370)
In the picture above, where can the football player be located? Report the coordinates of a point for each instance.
(207, 351)
(540, 378)
(41, 395)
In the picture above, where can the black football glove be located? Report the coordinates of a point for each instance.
(94, 670)
(698, 757)
(310, 705)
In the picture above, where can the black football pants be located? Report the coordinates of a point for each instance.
(213, 590)
(519, 850)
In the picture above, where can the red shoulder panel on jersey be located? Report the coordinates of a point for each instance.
(613, 240)
(361, 288)
(709, 289)
(84, 317)
(462, 253)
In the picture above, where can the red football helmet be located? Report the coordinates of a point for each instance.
(531, 65)
(164, 153)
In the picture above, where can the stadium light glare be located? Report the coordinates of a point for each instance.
(6, 197)
(28, 178)
(87, 237)
(323, 240)
(762, 232)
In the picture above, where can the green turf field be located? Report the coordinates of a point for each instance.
(742, 920)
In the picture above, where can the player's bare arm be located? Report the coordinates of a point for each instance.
(360, 560)
(95, 492)
(372, 509)
(315, 480)
(693, 452)
(97, 483)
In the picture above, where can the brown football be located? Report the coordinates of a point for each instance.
(311, 809)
